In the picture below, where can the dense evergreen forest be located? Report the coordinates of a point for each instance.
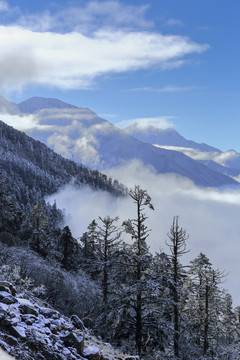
(146, 304)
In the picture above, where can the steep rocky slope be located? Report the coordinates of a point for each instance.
(32, 330)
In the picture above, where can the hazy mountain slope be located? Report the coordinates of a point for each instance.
(234, 162)
(7, 107)
(80, 135)
(228, 171)
(171, 137)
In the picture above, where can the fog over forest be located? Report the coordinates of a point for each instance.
(210, 216)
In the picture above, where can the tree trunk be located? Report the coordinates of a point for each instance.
(175, 309)
(205, 343)
(139, 291)
(139, 324)
(105, 269)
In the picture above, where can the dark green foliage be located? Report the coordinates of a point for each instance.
(69, 249)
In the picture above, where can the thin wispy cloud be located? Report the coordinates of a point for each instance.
(3, 5)
(87, 18)
(174, 22)
(205, 28)
(167, 89)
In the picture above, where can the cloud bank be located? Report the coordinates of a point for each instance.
(210, 216)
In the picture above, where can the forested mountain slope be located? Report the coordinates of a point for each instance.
(32, 170)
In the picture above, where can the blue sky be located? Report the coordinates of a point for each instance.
(129, 59)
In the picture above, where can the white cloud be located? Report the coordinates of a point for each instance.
(225, 156)
(220, 158)
(210, 216)
(74, 60)
(159, 122)
(22, 122)
(80, 149)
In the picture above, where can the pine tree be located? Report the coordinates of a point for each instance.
(89, 241)
(100, 248)
(36, 222)
(206, 305)
(229, 327)
(177, 244)
(107, 244)
(69, 248)
(161, 302)
(8, 212)
(140, 260)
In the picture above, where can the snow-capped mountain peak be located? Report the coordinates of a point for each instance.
(33, 104)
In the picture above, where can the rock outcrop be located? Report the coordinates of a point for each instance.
(31, 330)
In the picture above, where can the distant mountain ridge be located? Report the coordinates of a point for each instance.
(170, 137)
(82, 136)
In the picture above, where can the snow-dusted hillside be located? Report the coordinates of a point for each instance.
(81, 135)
